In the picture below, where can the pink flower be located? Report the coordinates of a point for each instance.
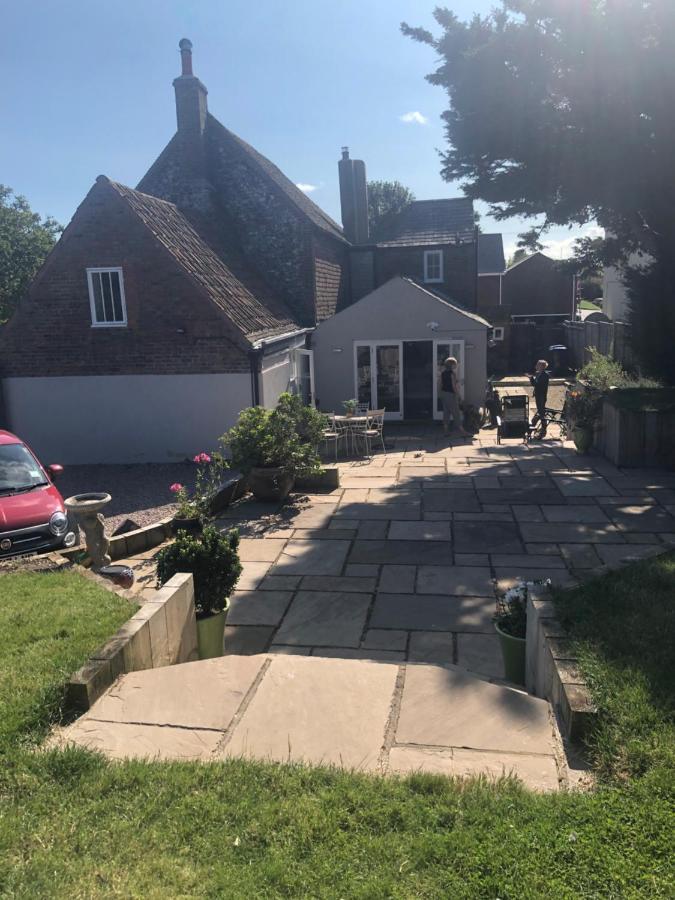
(202, 458)
(176, 487)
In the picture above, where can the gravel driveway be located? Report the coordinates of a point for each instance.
(139, 492)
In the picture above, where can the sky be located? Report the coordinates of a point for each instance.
(87, 91)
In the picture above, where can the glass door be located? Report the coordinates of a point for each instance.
(379, 376)
(304, 374)
(442, 350)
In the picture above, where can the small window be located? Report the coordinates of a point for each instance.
(433, 266)
(498, 334)
(106, 298)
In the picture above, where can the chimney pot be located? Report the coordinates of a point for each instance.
(345, 152)
(185, 47)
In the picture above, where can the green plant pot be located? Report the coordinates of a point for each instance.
(513, 654)
(270, 484)
(582, 435)
(211, 635)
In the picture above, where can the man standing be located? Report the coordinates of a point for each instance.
(539, 382)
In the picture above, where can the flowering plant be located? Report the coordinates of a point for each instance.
(511, 613)
(350, 405)
(209, 475)
(583, 406)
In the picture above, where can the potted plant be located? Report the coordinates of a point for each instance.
(583, 406)
(213, 560)
(271, 447)
(510, 620)
(350, 407)
(194, 510)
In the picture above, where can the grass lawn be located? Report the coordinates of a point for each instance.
(73, 825)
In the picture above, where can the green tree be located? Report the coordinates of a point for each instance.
(519, 255)
(386, 198)
(25, 241)
(563, 110)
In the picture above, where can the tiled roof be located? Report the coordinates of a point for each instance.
(250, 316)
(428, 222)
(490, 254)
(299, 199)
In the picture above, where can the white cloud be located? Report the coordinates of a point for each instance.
(306, 188)
(415, 116)
(564, 247)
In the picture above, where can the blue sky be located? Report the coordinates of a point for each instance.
(87, 90)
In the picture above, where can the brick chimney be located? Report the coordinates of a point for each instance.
(190, 95)
(353, 198)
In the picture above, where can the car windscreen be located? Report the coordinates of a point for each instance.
(19, 469)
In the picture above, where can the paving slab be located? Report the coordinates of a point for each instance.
(575, 513)
(311, 558)
(432, 646)
(383, 639)
(345, 583)
(538, 773)
(519, 496)
(528, 513)
(252, 574)
(580, 556)
(510, 577)
(257, 607)
(483, 537)
(432, 612)
(642, 518)
(119, 740)
(362, 571)
(615, 556)
(325, 619)
(451, 500)
(324, 534)
(332, 711)
(524, 560)
(445, 706)
(401, 552)
(480, 653)
(247, 640)
(372, 531)
(583, 486)
(472, 559)
(413, 473)
(419, 531)
(570, 533)
(379, 511)
(204, 694)
(456, 581)
(279, 583)
(398, 579)
(359, 653)
(260, 549)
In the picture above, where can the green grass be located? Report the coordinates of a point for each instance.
(74, 825)
(588, 304)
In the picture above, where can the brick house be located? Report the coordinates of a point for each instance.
(166, 309)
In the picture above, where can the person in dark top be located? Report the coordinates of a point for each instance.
(450, 397)
(539, 382)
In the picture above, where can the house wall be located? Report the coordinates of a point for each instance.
(395, 311)
(536, 286)
(615, 295)
(172, 326)
(124, 418)
(331, 276)
(489, 293)
(459, 269)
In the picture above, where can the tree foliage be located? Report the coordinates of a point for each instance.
(563, 110)
(386, 198)
(25, 241)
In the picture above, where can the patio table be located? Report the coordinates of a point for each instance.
(349, 423)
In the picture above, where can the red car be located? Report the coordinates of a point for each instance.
(33, 518)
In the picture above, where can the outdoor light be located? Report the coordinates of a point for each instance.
(337, 349)
(433, 325)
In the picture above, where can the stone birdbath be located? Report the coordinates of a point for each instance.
(87, 511)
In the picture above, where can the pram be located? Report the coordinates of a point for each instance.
(514, 419)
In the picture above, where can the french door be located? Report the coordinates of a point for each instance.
(442, 350)
(304, 376)
(378, 376)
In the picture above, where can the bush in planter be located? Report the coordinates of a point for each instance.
(210, 469)
(287, 438)
(213, 560)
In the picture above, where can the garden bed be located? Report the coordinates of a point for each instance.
(638, 427)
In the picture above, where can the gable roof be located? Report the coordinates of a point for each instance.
(292, 193)
(428, 222)
(444, 300)
(490, 254)
(169, 226)
(527, 259)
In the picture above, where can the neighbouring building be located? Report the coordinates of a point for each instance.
(166, 309)
(537, 288)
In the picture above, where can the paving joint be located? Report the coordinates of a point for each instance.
(243, 706)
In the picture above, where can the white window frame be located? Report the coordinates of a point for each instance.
(309, 355)
(427, 255)
(92, 303)
(498, 333)
(374, 399)
(455, 347)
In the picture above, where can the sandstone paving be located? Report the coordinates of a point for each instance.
(398, 579)
(480, 653)
(325, 618)
(258, 607)
(483, 537)
(258, 550)
(347, 583)
(401, 552)
(467, 581)
(432, 646)
(570, 533)
(385, 639)
(432, 612)
(118, 740)
(310, 557)
(419, 531)
(642, 518)
(583, 486)
(247, 640)
(574, 513)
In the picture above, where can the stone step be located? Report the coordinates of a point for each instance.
(366, 715)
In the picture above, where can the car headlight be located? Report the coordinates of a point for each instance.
(58, 523)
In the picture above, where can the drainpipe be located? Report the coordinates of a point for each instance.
(475, 242)
(255, 359)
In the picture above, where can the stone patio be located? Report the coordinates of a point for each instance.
(388, 584)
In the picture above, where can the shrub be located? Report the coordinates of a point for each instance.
(602, 372)
(287, 437)
(213, 560)
(209, 476)
(511, 612)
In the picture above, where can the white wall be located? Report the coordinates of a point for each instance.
(277, 372)
(124, 418)
(398, 310)
(614, 296)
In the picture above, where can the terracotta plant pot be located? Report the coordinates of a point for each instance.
(192, 525)
(513, 654)
(582, 435)
(211, 634)
(270, 484)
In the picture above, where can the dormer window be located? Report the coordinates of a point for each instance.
(106, 298)
(433, 266)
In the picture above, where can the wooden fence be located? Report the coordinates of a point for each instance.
(610, 338)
